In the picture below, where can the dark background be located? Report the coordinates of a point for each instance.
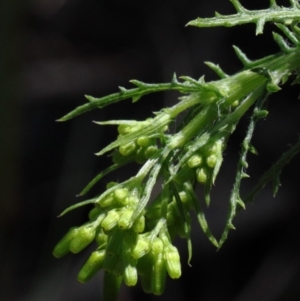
(54, 52)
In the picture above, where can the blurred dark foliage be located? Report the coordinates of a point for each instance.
(54, 52)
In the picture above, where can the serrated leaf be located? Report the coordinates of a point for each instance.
(241, 203)
(276, 184)
(252, 150)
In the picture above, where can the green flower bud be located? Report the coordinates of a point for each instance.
(94, 213)
(194, 161)
(132, 201)
(157, 246)
(120, 195)
(62, 247)
(83, 238)
(158, 278)
(142, 247)
(91, 266)
(261, 113)
(110, 220)
(172, 259)
(143, 141)
(130, 273)
(111, 184)
(127, 149)
(150, 150)
(211, 160)
(125, 218)
(124, 129)
(186, 199)
(139, 225)
(235, 103)
(106, 201)
(101, 237)
(201, 175)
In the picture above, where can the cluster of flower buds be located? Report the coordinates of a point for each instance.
(139, 149)
(174, 220)
(206, 161)
(126, 248)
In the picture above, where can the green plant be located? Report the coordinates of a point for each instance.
(133, 234)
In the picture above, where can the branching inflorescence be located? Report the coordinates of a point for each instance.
(133, 235)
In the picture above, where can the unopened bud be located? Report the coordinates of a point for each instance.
(124, 220)
(62, 247)
(110, 220)
(142, 247)
(194, 161)
(211, 161)
(91, 266)
(150, 151)
(201, 175)
(127, 149)
(83, 238)
(157, 246)
(130, 275)
(139, 225)
(143, 141)
(120, 195)
(173, 265)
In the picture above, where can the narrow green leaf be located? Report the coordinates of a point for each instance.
(200, 215)
(83, 203)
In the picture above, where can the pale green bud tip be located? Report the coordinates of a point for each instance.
(124, 129)
(62, 247)
(130, 275)
(143, 141)
(101, 238)
(83, 238)
(127, 149)
(110, 220)
(150, 151)
(194, 161)
(184, 197)
(157, 246)
(132, 201)
(211, 161)
(106, 201)
(124, 220)
(201, 175)
(141, 248)
(120, 195)
(139, 225)
(91, 266)
(173, 262)
(111, 184)
(235, 103)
